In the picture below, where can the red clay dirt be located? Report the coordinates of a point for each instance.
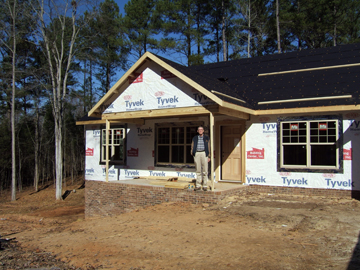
(250, 231)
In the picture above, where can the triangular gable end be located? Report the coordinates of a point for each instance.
(150, 85)
(156, 88)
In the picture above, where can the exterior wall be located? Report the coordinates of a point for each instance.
(262, 157)
(140, 151)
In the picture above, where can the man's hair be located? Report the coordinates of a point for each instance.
(200, 127)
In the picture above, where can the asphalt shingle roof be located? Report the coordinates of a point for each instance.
(239, 78)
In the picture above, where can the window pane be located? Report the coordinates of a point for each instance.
(331, 124)
(177, 135)
(286, 139)
(294, 154)
(332, 139)
(177, 154)
(286, 126)
(332, 132)
(119, 153)
(164, 135)
(163, 153)
(103, 153)
(103, 136)
(189, 157)
(323, 155)
(117, 136)
(190, 133)
(314, 139)
(294, 139)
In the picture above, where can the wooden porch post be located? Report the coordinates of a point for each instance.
(107, 150)
(212, 150)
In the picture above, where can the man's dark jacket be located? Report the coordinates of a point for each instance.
(206, 144)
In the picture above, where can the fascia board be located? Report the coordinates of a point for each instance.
(323, 109)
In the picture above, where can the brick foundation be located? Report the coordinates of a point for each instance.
(107, 199)
(337, 193)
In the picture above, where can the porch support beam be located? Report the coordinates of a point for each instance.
(137, 121)
(107, 126)
(162, 113)
(212, 151)
(234, 113)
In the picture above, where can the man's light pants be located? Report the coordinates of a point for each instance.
(201, 165)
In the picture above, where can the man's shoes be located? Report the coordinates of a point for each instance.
(204, 188)
(197, 188)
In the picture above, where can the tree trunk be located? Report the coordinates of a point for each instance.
(13, 153)
(36, 158)
(335, 26)
(217, 45)
(249, 30)
(64, 151)
(278, 27)
(223, 30)
(20, 160)
(58, 158)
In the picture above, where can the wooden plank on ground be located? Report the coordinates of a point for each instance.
(177, 185)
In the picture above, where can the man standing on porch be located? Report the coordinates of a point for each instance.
(200, 150)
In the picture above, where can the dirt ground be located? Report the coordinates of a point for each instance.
(250, 231)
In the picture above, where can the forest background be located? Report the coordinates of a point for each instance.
(59, 57)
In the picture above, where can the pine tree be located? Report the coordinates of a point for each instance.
(180, 22)
(142, 24)
(110, 46)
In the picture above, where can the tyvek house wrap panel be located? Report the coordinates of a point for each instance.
(261, 160)
(94, 171)
(155, 89)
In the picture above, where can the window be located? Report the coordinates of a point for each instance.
(173, 144)
(309, 144)
(116, 145)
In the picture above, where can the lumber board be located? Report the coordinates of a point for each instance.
(177, 185)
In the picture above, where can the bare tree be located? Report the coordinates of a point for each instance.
(57, 32)
(10, 30)
(13, 154)
(244, 9)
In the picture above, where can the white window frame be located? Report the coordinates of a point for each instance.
(308, 144)
(113, 144)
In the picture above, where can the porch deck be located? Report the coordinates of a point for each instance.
(164, 182)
